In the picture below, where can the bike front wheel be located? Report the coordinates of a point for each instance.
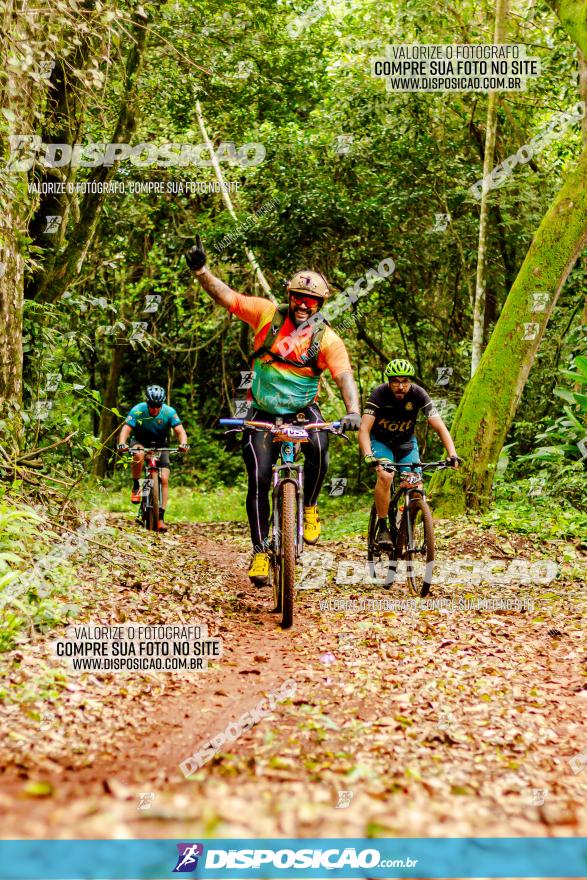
(287, 566)
(415, 544)
(153, 510)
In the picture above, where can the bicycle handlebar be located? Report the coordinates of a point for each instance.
(171, 449)
(270, 426)
(393, 466)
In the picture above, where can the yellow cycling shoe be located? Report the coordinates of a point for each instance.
(312, 526)
(259, 570)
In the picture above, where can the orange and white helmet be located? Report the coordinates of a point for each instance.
(307, 281)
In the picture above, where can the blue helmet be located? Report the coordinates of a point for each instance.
(155, 395)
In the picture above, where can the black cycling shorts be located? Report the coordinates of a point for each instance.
(164, 461)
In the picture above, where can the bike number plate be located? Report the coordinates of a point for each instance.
(292, 434)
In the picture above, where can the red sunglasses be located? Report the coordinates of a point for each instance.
(302, 299)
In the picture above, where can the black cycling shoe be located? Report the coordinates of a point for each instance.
(384, 539)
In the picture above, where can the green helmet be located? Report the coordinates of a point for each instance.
(398, 367)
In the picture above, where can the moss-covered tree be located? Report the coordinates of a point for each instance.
(490, 400)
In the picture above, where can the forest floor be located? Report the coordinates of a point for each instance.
(448, 722)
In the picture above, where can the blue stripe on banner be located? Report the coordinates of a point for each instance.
(300, 857)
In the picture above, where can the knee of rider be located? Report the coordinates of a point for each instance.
(384, 477)
(164, 478)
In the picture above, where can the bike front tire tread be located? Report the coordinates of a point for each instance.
(153, 511)
(288, 523)
(418, 586)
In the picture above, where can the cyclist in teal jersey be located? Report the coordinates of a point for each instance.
(149, 423)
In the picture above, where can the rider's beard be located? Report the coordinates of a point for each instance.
(295, 321)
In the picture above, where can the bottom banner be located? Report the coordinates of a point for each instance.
(312, 858)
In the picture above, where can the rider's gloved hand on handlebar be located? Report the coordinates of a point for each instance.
(370, 458)
(183, 448)
(122, 447)
(350, 422)
(196, 256)
(454, 461)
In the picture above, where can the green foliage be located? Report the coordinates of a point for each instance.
(186, 504)
(411, 156)
(563, 434)
(29, 598)
(553, 505)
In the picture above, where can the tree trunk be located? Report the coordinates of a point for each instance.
(583, 97)
(18, 98)
(501, 9)
(11, 306)
(108, 420)
(62, 123)
(490, 400)
(62, 268)
(489, 403)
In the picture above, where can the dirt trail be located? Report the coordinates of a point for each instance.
(449, 724)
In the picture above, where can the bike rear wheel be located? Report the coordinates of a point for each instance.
(419, 552)
(287, 566)
(153, 510)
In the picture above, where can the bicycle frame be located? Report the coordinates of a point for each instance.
(415, 517)
(406, 471)
(287, 539)
(407, 494)
(150, 466)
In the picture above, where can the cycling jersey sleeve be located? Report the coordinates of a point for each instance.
(174, 419)
(333, 355)
(427, 404)
(255, 311)
(373, 403)
(131, 418)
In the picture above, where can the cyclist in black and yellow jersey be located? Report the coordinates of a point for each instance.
(387, 431)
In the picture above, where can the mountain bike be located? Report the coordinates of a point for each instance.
(286, 525)
(151, 490)
(410, 525)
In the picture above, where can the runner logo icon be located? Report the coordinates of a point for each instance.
(187, 860)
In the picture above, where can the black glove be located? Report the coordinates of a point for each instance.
(454, 460)
(350, 422)
(196, 256)
(122, 447)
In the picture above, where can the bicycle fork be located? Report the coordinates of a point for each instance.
(293, 475)
(410, 533)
